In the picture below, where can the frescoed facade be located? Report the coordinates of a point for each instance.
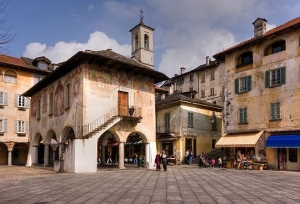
(16, 76)
(98, 101)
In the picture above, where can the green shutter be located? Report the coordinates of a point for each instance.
(236, 82)
(241, 115)
(249, 83)
(272, 111)
(245, 115)
(277, 110)
(282, 75)
(267, 79)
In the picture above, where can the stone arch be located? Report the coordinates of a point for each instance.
(19, 154)
(135, 147)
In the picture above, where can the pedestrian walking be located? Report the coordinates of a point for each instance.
(190, 156)
(109, 158)
(213, 161)
(157, 161)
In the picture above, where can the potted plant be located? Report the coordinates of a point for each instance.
(131, 110)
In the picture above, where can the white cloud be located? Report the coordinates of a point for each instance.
(62, 51)
(270, 26)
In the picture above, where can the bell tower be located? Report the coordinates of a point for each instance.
(142, 43)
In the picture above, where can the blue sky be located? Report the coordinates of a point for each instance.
(186, 31)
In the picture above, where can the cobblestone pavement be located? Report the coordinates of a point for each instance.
(179, 184)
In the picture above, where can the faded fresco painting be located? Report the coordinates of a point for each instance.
(59, 107)
(102, 77)
(44, 102)
(33, 107)
(147, 85)
(122, 79)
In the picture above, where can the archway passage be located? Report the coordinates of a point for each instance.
(134, 149)
(3, 153)
(19, 154)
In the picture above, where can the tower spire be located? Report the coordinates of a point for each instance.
(141, 16)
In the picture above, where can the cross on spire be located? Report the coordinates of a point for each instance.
(142, 16)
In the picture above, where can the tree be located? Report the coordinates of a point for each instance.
(6, 33)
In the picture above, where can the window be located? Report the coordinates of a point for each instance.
(21, 127)
(243, 84)
(167, 122)
(191, 78)
(191, 89)
(38, 110)
(245, 58)
(293, 155)
(213, 144)
(10, 77)
(67, 96)
(51, 102)
(146, 43)
(214, 122)
(3, 99)
(212, 91)
(275, 47)
(42, 65)
(243, 115)
(202, 93)
(136, 42)
(275, 77)
(181, 81)
(190, 119)
(202, 77)
(37, 78)
(275, 111)
(212, 75)
(21, 101)
(3, 125)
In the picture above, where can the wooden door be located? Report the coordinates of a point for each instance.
(123, 103)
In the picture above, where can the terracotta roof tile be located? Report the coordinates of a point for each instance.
(291, 23)
(13, 61)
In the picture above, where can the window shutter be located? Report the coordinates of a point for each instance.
(282, 75)
(241, 115)
(245, 115)
(267, 79)
(5, 97)
(16, 100)
(236, 82)
(272, 110)
(4, 125)
(26, 127)
(277, 110)
(249, 83)
(27, 102)
(16, 126)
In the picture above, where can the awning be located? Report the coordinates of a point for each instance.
(283, 141)
(248, 139)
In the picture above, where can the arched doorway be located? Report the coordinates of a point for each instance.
(108, 149)
(134, 148)
(3, 153)
(19, 154)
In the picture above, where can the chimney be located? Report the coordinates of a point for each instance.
(182, 69)
(260, 25)
(207, 60)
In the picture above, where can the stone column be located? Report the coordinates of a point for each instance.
(46, 154)
(147, 155)
(10, 146)
(121, 155)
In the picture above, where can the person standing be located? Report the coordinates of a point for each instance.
(239, 159)
(201, 156)
(187, 156)
(157, 161)
(213, 161)
(164, 160)
(220, 162)
(190, 156)
(109, 158)
(135, 158)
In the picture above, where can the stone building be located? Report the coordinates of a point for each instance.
(184, 123)
(94, 105)
(262, 83)
(16, 76)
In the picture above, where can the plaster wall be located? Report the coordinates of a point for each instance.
(259, 98)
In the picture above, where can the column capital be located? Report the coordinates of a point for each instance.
(10, 145)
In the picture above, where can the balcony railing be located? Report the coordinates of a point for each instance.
(167, 129)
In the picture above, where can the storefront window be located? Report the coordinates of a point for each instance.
(293, 155)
